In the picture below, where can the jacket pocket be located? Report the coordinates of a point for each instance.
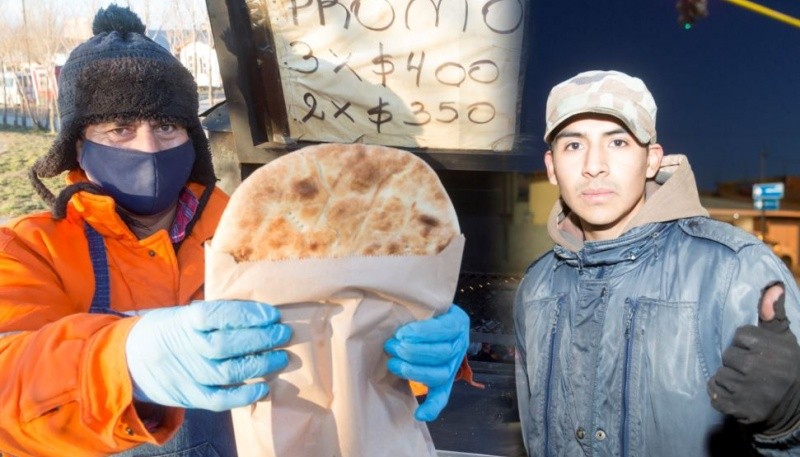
(665, 405)
(40, 395)
(539, 341)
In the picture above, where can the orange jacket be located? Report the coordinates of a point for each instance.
(65, 388)
(64, 382)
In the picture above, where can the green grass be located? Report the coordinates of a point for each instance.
(19, 148)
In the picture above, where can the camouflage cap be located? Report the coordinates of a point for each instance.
(603, 92)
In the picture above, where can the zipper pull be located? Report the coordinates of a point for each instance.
(629, 311)
(554, 324)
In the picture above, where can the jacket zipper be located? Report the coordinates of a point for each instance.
(630, 326)
(548, 386)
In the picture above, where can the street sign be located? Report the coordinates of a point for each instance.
(767, 205)
(767, 190)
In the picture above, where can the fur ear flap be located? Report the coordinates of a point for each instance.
(115, 18)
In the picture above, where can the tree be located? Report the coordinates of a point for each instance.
(189, 24)
(42, 38)
(36, 35)
(5, 68)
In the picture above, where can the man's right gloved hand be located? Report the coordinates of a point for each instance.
(198, 356)
(759, 380)
(430, 352)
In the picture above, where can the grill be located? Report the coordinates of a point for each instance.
(488, 299)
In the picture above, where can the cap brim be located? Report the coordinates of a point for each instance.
(558, 124)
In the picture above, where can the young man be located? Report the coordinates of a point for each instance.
(100, 351)
(627, 327)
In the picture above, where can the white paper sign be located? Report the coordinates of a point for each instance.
(438, 74)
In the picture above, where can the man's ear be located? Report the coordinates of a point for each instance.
(551, 170)
(654, 155)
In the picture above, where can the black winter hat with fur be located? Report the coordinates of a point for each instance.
(120, 74)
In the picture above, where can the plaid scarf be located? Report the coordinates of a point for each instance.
(187, 207)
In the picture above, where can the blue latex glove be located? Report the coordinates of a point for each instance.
(198, 356)
(430, 352)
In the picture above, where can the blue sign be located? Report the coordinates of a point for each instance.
(767, 190)
(767, 205)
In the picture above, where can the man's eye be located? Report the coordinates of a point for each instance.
(120, 131)
(167, 128)
(619, 143)
(572, 146)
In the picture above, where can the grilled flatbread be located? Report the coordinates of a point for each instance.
(335, 200)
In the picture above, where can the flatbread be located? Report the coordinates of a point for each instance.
(335, 200)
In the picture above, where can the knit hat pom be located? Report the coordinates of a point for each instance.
(115, 18)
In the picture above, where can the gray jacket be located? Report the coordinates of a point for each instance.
(617, 339)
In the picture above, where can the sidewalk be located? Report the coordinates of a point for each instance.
(481, 421)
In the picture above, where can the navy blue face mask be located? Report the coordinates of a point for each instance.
(141, 182)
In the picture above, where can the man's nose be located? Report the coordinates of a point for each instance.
(595, 161)
(146, 140)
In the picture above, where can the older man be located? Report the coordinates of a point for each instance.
(101, 351)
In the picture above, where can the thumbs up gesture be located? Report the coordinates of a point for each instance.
(759, 380)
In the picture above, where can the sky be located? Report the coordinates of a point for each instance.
(727, 89)
(161, 13)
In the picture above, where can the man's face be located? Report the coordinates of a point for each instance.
(144, 136)
(601, 171)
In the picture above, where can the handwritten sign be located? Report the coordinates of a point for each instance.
(440, 74)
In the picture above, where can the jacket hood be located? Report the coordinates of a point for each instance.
(671, 195)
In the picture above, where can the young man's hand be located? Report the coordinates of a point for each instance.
(430, 352)
(199, 356)
(759, 380)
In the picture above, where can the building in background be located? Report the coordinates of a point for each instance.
(731, 202)
(201, 60)
(10, 93)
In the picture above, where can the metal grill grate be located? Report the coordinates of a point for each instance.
(488, 299)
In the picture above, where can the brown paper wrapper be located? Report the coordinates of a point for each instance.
(336, 398)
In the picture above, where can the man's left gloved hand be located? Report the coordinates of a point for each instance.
(759, 380)
(430, 352)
